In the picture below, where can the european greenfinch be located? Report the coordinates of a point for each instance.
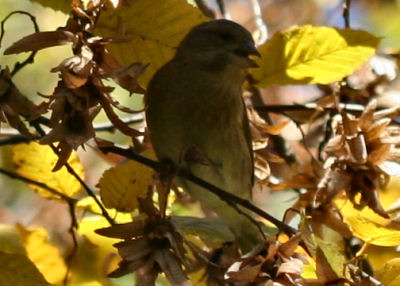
(197, 119)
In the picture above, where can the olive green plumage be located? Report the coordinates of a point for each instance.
(194, 105)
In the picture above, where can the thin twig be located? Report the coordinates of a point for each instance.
(259, 22)
(280, 108)
(71, 230)
(205, 9)
(16, 139)
(71, 170)
(222, 194)
(30, 59)
(38, 184)
(221, 6)
(346, 13)
(109, 126)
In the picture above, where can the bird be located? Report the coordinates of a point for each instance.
(196, 118)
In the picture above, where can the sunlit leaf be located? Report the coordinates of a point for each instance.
(18, 270)
(88, 225)
(43, 254)
(333, 253)
(309, 55)
(309, 271)
(10, 240)
(372, 232)
(369, 226)
(35, 162)
(120, 186)
(389, 274)
(153, 29)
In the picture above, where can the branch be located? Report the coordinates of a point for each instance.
(18, 66)
(346, 13)
(280, 108)
(39, 184)
(71, 170)
(262, 28)
(222, 194)
(221, 6)
(16, 139)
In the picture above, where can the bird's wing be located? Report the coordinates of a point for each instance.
(247, 134)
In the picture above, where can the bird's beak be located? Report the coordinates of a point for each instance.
(245, 50)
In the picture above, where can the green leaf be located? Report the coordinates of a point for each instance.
(18, 270)
(333, 253)
(212, 229)
(313, 55)
(153, 29)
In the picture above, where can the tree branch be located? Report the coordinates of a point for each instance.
(222, 194)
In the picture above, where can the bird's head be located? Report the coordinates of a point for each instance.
(218, 44)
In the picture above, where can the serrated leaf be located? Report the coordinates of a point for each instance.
(36, 161)
(43, 254)
(121, 185)
(372, 232)
(18, 270)
(313, 55)
(389, 274)
(153, 29)
(369, 226)
(59, 5)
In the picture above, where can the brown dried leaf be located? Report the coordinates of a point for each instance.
(377, 129)
(134, 249)
(293, 266)
(118, 123)
(358, 149)
(245, 274)
(325, 272)
(350, 125)
(275, 129)
(380, 154)
(171, 266)
(125, 230)
(121, 74)
(42, 40)
(367, 116)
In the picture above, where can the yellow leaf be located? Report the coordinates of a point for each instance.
(153, 28)
(18, 270)
(309, 271)
(389, 274)
(372, 232)
(43, 254)
(10, 240)
(309, 55)
(369, 226)
(36, 161)
(120, 186)
(88, 225)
